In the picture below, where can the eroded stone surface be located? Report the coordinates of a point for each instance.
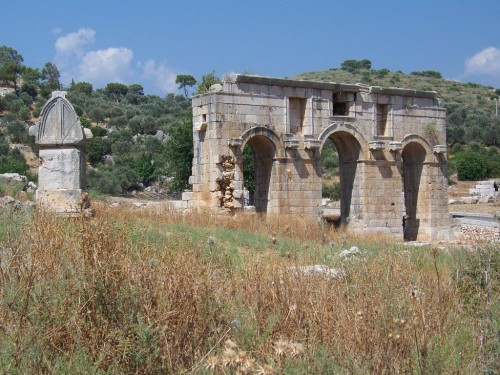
(61, 173)
(392, 169)
(60, 169)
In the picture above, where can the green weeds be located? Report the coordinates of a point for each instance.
(141, 293)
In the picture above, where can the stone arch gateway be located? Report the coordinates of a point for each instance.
(392, 170)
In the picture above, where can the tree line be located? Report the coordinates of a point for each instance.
(143, 139)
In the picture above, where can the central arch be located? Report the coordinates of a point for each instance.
(349, 152)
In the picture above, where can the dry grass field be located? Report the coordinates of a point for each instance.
(141, 292)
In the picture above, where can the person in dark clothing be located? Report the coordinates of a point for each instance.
(495, 185)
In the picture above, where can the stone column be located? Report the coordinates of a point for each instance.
(61, 174)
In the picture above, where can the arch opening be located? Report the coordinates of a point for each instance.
(348, 152)
(413, 156)
(258, 160)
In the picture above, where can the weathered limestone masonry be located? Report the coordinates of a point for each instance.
(61, 174)
(390, 142)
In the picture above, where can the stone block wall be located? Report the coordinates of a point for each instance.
(286, 123)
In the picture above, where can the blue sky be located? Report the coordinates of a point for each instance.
(151, 41)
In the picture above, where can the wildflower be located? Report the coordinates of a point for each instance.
(211, 363)
(248, 365)
(235, 323)
(229, 357)
(296, 349)
(230, 344)
(153, 262)
(280, 347)
(211, 241)
(240, 357)
(414, 292)
(265, 370)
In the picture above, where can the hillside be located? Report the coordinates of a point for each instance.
(469, 95)
(473, 125)
(142, 140)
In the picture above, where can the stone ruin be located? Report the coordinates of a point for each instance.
(62, 172)
(391, 145)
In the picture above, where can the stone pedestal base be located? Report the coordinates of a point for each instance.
(61, 201)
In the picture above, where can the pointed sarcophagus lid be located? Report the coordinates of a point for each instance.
(59, 124)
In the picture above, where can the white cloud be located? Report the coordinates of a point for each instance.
(71, 46)
(77, 61)
(56, 31)
(162, 76)
(104, 66)
(485, 62)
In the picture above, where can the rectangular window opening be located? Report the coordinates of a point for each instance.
(382, 111)
(340, 106)
(297, 112)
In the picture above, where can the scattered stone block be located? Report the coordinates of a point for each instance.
(318, 270)
(469, 200)
(348, 253)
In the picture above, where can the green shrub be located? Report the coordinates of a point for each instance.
(428, 73)
(85, 122)
(471, 166)
(457, 147)
(17, 131)
(4, 145)
(331, 191)
(13, 162)
(145, 168)
(96, 148)
(103, 181)
(10, 188)
(97, 131)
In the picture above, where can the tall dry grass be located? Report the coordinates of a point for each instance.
(156, 292)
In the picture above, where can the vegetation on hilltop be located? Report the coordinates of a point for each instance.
(134, 134)
(472, 123)
(140, 139)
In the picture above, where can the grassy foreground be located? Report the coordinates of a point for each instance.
(156, 292)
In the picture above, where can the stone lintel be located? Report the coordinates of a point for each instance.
(260, 80)
(393, 91)
(342, 119)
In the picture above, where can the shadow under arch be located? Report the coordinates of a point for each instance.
(418, 139)
(349, 148)
(414, 155)
(264, 132)
(346, 128)
(264, 144)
